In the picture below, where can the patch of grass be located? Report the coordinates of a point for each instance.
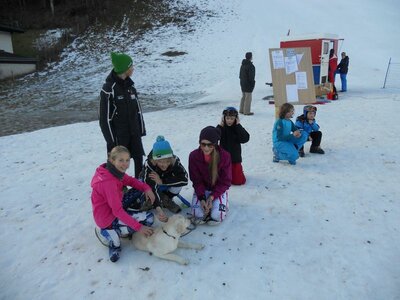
(23, 42)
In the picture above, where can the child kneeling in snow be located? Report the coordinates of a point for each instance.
(286, 138)
(107, 198)
(164, 173)
(211, 175)
(232, 135)
(306, 122)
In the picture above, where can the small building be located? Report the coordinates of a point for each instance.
(12, 65)
(320, 45)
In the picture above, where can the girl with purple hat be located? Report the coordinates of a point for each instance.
(211, 174)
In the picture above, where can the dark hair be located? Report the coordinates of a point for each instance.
(249, 55)
(284, 109)
(331, 52)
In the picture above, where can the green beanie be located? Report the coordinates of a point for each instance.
(121, 62)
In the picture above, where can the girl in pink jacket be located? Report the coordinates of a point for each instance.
(107, 196)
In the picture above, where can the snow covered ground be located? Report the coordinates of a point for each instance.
(327, 228)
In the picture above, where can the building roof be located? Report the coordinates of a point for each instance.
(313, 36)
(11, 58)
(10, 29)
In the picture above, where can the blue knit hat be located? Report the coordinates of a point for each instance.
(121, 62)
(162, 149)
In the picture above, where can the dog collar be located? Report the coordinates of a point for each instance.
(168, 234)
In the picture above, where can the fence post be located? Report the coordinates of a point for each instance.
(387, 71)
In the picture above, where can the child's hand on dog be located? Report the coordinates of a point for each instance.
(146, 231)
(161, 215)
(150, 196)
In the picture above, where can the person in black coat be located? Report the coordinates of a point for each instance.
(342, 69)
(120, 114)
(247, 75)
(232, 136)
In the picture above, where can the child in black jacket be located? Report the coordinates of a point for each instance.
(165, 174)
(232, 136)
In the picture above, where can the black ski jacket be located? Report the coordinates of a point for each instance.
(231, 138)
(120, 115)
(247, 74)
(343, 66)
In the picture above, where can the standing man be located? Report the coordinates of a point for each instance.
(342, 69)
(121, 119)
(247, 83)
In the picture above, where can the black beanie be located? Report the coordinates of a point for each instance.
(211, 134)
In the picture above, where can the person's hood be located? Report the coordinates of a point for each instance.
(101, 175)
(305, 111)
(246, 62)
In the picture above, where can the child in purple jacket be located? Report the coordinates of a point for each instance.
(211, 174)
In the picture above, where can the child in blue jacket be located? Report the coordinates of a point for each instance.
(306, 122)
(286, 138)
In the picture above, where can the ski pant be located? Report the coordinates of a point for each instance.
(316, 138)
(343, 79)
(245, 103)
(238, 177)
(118, 228)
(220, 206)
(132, 201)
(289, 150)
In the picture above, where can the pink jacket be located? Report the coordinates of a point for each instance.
(107, 198)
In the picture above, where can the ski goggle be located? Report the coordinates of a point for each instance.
(309, 108)
(230, 111)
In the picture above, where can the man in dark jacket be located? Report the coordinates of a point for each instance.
(120, 114)
(247, 83)
(342, 69)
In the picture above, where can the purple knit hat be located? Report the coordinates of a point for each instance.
(210, 133)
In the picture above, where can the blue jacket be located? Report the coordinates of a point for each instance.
(302, 123)
(283, 130)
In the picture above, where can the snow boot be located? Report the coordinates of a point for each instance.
(317, 150)
(169, 204)
(114, 253)
(275, 158)
(301, 152)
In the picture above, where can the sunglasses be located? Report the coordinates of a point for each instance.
(209, 145)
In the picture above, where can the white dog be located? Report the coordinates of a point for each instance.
(165, 240)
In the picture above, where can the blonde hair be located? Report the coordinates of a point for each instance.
(116, 151)
(213, 166)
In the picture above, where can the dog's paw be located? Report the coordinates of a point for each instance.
(198, 246)
(184, 262)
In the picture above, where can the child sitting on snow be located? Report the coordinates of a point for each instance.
(164, 173)
(232, 135)
(107, 202)
(286, 138)
(306, 122)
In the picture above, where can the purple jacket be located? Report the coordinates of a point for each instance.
(200, 174)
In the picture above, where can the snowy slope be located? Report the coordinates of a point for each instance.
(327, 228)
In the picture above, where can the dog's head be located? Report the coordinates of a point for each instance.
(179, 223)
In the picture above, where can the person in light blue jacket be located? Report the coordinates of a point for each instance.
(286, 138)
(307, 123)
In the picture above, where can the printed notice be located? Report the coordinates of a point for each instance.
(301, 80)
(290, 64)
(291, 93)
(299, 57)
(277, 59)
